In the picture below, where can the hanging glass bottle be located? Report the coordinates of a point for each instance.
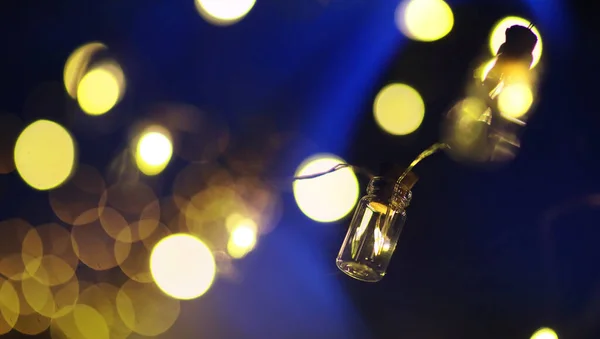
(375, 228)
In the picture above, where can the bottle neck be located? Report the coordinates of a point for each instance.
(397, 196)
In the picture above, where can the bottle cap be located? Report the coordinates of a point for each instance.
(393, 172)
(410, 180)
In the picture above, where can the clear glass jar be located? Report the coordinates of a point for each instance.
(375, 229)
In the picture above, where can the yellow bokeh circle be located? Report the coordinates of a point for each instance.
(544, 333)
(44, 154)
(182, 266)
(424, 20)
(515, 100)
(100, 89)
(154, 150)
(224, 12)
(399, 109)
(329, 197)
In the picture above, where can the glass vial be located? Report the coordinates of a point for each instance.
(375, 229)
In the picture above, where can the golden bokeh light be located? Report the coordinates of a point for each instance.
(515, 100)
(95, 248)
(44, 154)
(132, 212)
(145, 310)
(29, 321)
(9, 307)
(182, 266)
(90, 323)
(38, 296)
(55, 262)
(399, 109)
(137, 263)
(326, 198)
(102, 298)
(224, 12)
(424, 20)
(498, 36)
(101, 88)
(32, 324)
(19, 246)
(544, 333)
(154, 150)
(80, 197)
(242, 238)
(77, 64)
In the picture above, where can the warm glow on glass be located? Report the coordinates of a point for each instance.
(326, 198)
(44, 154)
(242, 239)
(399, 109)
(154, 150)
(224, 12)
(544, 333)
(182, 266)
(424, 20)
(498, 36)
(515, 100)
(77, 64)
(100, 89)
(486, 68)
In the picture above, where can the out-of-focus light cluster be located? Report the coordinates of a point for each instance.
(544, 333)
(224, 12)
(327, 198)
(97, 82)
(470, 128)
(161, 249)
(424, 20)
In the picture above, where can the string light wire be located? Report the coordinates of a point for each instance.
(426, 153)
(335, 169)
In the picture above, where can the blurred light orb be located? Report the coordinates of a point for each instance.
(424, 20)
(182, 266)
(544, 333)
(329, 197)
(515, 100)
(399, 109)
(154, 150)
(44, 154)
(89, 322)
(224, 12)
(242, 239)
(100, 89)
(498, 36)
(77, 64)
